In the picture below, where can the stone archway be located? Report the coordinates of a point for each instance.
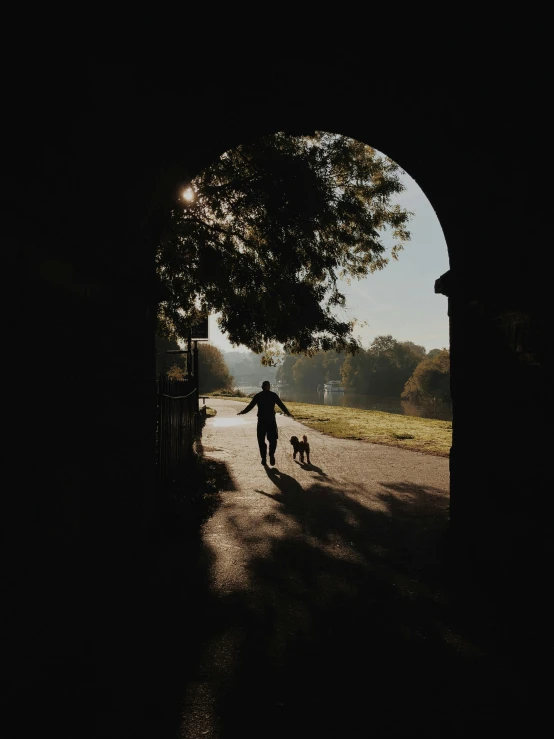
(94, 153)
(108, 161)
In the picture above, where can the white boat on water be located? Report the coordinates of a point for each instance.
(333, 386)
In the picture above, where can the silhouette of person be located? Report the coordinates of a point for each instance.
(267, 423)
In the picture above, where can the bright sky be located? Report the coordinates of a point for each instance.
(399, 300)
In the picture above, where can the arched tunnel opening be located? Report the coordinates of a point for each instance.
(106, 164)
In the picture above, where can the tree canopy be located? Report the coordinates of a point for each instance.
(267, 232)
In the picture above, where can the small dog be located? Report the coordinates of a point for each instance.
(301, 448)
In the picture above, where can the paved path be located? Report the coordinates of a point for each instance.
(347, 482)
(315, 601)
(321, 604)
(327, 613)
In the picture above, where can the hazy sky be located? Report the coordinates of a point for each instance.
(399, 300)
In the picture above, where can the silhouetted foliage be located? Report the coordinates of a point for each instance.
(271, 227)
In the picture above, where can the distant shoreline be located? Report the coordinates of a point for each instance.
(439, 410)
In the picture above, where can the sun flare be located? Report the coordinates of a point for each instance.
(188, 194)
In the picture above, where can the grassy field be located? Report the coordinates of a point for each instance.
(425, 435)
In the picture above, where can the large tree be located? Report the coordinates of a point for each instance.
(391, 363)
(430, 380)
(213, 371)
(383, 369)
(266, 233)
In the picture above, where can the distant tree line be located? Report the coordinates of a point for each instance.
(387, 368)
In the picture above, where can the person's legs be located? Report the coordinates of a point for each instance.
(272, 435)
(260, 433)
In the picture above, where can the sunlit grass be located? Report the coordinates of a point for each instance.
(427, 435)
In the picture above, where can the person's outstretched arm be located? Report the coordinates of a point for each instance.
(248, 407)
(282, 406)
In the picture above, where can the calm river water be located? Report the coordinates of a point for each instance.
(438, 410)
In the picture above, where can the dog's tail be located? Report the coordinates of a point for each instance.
(305, 439)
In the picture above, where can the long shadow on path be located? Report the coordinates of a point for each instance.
(347, 624)
(350, 627)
